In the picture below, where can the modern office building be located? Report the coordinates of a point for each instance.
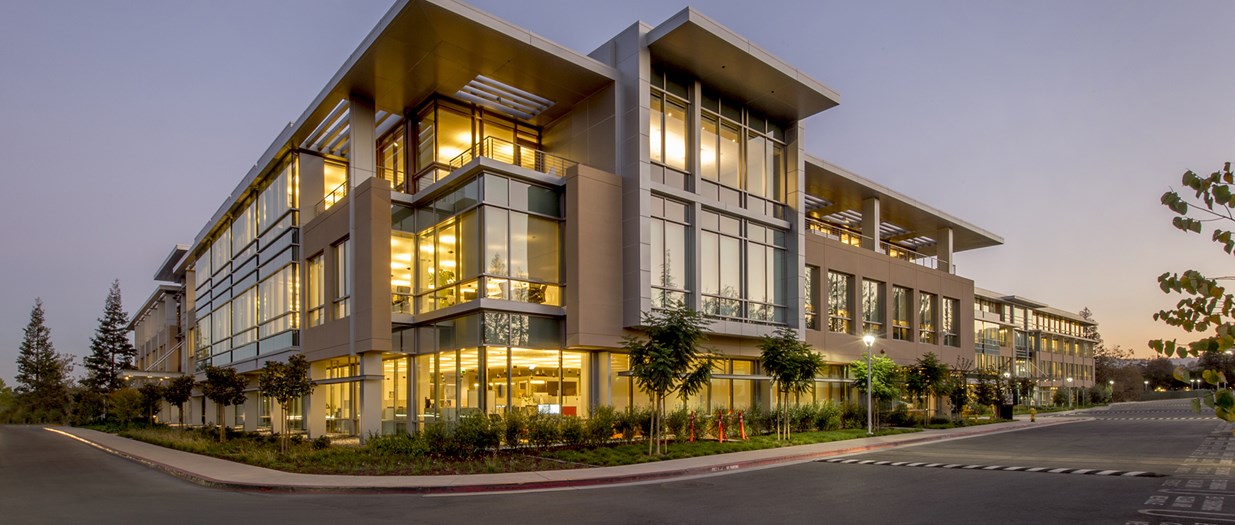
(469, 217)
(1028, 339)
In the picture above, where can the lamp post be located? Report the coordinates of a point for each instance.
(1070, 394)
(1146, 385)
(1112, 390)
(869, 339)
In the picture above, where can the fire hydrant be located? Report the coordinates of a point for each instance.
(1033, 414)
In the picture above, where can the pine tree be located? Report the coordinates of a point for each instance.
(42, 374)
(110, 349)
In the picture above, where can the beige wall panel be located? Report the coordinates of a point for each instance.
(593, 258)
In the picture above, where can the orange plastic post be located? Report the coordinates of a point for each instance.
(720, 425)
(692, 426)
(742, 424)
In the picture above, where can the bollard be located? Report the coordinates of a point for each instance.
(720, 425)
(742, 424)
(692, 426)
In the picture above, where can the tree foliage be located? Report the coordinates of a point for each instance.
(42, 374)
(885, 379)
(178, 392)
(224, 387)
(152, 395)
(1205, 308)
(670, 360)
(793, 367)
(110, 349)
(927, 378)
(285, 382)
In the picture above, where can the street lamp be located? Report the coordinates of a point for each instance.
(1146, 385)
(1112, 390)
(1070, 393)
(869, 340)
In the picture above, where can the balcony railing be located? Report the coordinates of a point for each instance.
(332, 198)
(853, 238)
(510, 153)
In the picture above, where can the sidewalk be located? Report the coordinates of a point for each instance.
(221, 473)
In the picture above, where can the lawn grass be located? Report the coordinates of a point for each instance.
(360, 460)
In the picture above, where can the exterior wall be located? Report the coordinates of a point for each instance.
(861, 263)
(593, 248)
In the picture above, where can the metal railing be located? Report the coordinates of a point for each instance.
(511, 153)
(332, 198)
(853, 238)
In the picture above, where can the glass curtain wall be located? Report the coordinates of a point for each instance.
(901, 307)
(840, 302)
(872, 307)
(446, 129)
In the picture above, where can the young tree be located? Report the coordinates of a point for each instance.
(793, 367)
(42, 374)
(110, 349)
(286, 383)
(8, 403)
(225, 387)
(670, 360)
(178, 392)
(151, 395)
(884, 378)
(927, 378)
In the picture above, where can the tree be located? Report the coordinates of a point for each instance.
(286, 383)
(42, 374)
(1107, 362)
(110, 349)
(884, 378)
(670, 360)
(225, 387)
(927, 378)
(1161, 374)
(178, 392)
(793, 367)
(152, 395)
(8, 403)
(1091, 331)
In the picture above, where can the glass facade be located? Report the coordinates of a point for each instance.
(669, 252)
(840, 302)
(742, 266)
(810, 294)
(872, 307)
(926, 318)
(902, 300)
(446, 129)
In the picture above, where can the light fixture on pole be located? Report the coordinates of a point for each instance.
(869, 340)
(1146, 385)
(1070, 403)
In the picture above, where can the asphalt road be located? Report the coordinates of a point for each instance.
(47, 478)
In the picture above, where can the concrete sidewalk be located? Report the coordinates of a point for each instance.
(221, 473)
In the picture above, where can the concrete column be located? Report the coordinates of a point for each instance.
(370, 395)
(943, 249)
(315, 417)
(870, 223)
(251, 409)
(362, 157)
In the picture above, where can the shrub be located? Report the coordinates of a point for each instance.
(398, 445)
(572, 430)
(321, 443)
(827, 416)
(514, 426)
(126, 405)
(437, 438)
(901, 417)
(474, 435)
(600, 427)
(543, 431)
(1060, 398)
(643, 420)
(852, 416)
(624, 423)
(802, 417)
(758, 421)
(677, 423)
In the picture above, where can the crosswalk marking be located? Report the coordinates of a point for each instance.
(1049, 470)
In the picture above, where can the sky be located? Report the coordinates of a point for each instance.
(1054, 124)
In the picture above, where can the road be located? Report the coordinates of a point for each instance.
(47, 478)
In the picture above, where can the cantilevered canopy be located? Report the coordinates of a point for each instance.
(902, 219)
(693, 42)
(423, 47)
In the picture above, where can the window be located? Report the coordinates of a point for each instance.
(742, 268)
(926, 318)
(951, 322)
(315, 290)
(669, 254)
(840, 304)
(811, 295)
(740, 151)
(278, 302)
(667, 130)
(872, 307)
(901, 308)
(392, 157)
(342, 280)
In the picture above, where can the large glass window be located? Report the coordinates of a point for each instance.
(669, 253)
(811, 297)
(315, 290)
(742, 268)
(951, 322)
(278, 297)
(740, 151)
(902, 299)
(394, 395)
(342, 280)
(279, 198)
(667, 130)
(392, 157)
(446, 129)
(926, 318)
(840, 302)
(244, 318)
(244, 233)
(872, 307)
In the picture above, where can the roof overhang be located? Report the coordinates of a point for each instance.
(843, 190)
(738, 68)
(140, 314)
(167, 271)
(1023, 301)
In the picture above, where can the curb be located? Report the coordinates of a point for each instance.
(207, 481)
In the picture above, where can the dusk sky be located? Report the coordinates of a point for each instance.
(1057, 125)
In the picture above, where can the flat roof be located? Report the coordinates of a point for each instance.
(422, 47)
(159, 292)
(844, 190)
(737, 67)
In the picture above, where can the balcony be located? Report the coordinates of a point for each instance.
(332, 198)
(515, 154)
(853, 238)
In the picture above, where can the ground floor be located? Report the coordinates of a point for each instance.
(388, 393)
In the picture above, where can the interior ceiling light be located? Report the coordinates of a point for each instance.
(504, 98)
